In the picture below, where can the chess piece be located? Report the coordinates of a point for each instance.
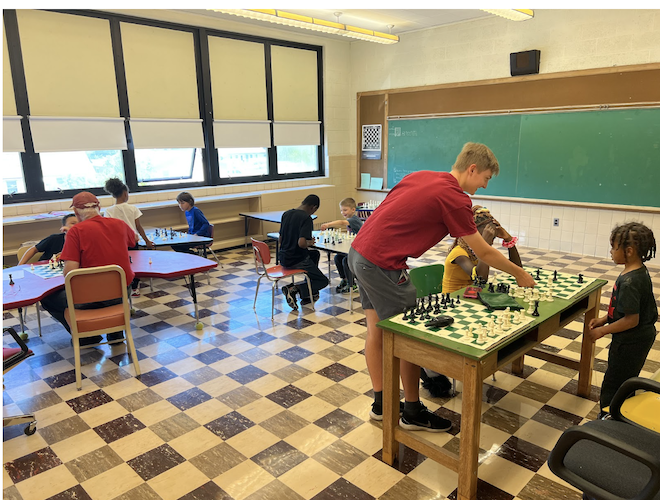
(452, 305)
(580, 278)
(554, 276)
(130, 259)
(535, 313)
(31, 267)
(535, 294)
(11, 281)
(491, 288)
(528, 295)
(405, 315)
(481, 337)
(458, 299)
(530, 310)
(150, 260)
(538, 274)
(548, 295)
(471, 331)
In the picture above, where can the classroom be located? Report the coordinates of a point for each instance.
(226, 120)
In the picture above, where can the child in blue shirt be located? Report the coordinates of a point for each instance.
(197, 223)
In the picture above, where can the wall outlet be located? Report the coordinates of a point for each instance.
(555, 222)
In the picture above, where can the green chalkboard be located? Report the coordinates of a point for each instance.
(609, 156)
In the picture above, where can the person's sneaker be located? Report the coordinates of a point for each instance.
(85, 341)
(424, 420)
(341, 286)
(135, 293)
(290, 294)
(306, 301)
(115, 337)
(603, 415)
(376, 412)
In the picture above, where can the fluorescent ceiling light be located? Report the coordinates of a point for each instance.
(311, 23)
(512, 14)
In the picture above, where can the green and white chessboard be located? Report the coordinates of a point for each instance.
(44, 271)
(467, 314)
(566, 286)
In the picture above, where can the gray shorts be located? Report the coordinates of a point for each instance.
(388, 292)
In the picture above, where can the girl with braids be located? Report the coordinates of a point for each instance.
(632, 313)
(462, 265)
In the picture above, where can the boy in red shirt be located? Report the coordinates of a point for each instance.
(435, 204)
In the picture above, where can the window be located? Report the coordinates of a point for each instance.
(12, 174)
(295, 159)
(80, 169)
(168, 166)
(242, 162)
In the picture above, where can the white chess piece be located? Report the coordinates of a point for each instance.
(522, 315)
(535, 294)
(530, 309)
(520, 292)
(549, 296)
(507, 323)
(471, 331)
(31, 267)
(149, 260)
(481, 337)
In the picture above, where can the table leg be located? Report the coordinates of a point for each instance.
(329, 268)
(470, 429)
(587, 350)
(20, 320)
(390, 398)
(193, 294)
(247, 226)
(38, 318)
(518, 365)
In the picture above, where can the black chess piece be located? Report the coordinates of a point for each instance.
(538, 274)
(444, 306)
(61, 264)
(536, 309)
(580, 278)
(491, 288)
(554, 276)
(130, 259)
(440, 322)
(405, 315)
(458, 299)
(333, 240)
(452, 305)
(156, 233)
(427, 315)
(11, 281)
(412, 314)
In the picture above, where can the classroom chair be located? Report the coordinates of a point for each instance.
(427, 279)
(11, 358)
(273, 274)
(96, 284)
(612, 459)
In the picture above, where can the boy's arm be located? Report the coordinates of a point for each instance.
(199, 216)
(31, 252)
(335, 223)
(495, 259)
(621, 325)
(140, 229)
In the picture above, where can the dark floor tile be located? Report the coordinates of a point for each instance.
(64, 429)
(145, 340)
(406, 461)
(534, 391)
(288, 396)
(188, 399)
(239, 397)
(342, 489)
(201, 375)
(292, 373)
(169, 357)
(157, 376)
(503, 420)
(141, 492)
(62, 379)
(44, 359)
(259, 338)
(568, 334)
(94, 463)
(297, 337)
(279, 458)
(336, 353)
(523, 453)
(542, 487)
(337, 395)
(75, 493)
(139, 400)
(38, 402)
(247, 374)
(174, 427)
(334, 311)
(572, 386)
(208, 491)
(229, 425)
(177, 303)
(336, 372)
(156, 327)
(299, 323)
(295, 354)
(253, 355)
(486, 491)
(340, 457)
(155, 462)
(410, 490)
(556, 418)
(32, 464)
(217, 460)
(492, 394)
(559, 370)
(453, 417)
(284, 424)
(110, 377)
(119, 428)
(275, 490)
(211, 356)
(19, 376)
(89, 401)
(339, 422)
(182, 340)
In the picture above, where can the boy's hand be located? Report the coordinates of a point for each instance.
(596, 333)
(489, 233)
(324, 227)
(150, 244)
(525, 280)
(503, 233)
(597, 322)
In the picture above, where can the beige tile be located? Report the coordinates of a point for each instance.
(312, 409)
(359, 407)
(195, 442)
(19, 447)
(252, 441)
(46, 484)
(172, 387)
(243, 480)
(367, 438)
(219, 386)
(28, 390)
(490, 437)
(104, 413)
(313, 383)
(506, 381)
(549, 379)
(261, 409)
(374, 477)
(310, 439)
(504, 474)
(572, 404)
(520, 405)
(169, 484)
(359, 382)
(229, 365)
(539, 434)
(156, 412)
(6, 480)
(136, 444)
(207, 411)
(78, 445)
(124, 388)
(266, 384)
(308, 478)
(271, 363)
(53, 414)
(548, 474)
(185, 366)
(70, 391)
(435, 476)
(55, 369)
(112, 483)
(315, 362)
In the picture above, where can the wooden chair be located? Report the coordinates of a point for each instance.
(35, 258)
(612, 459)
(12, 357)
(273, 274)
(96, 284)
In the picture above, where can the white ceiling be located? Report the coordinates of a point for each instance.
(404, 20)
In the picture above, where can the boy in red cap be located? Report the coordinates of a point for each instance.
(94, 241)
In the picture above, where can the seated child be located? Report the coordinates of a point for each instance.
(352, 223)
(130, 215)
(632, 313)
(462, 266)
(197, 223)
(52, 245)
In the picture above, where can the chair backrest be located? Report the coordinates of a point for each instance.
(95, 284)
(427, 279)
(21, 251)
(261, 254)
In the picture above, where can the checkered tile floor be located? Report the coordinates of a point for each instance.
(249, 409)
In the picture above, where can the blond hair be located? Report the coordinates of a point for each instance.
(479, 155)
(348, 202)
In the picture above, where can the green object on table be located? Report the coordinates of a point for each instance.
(498, 301)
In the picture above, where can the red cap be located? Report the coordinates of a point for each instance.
(85, 199)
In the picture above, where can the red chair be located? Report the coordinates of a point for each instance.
(274, 274)
(12, 357)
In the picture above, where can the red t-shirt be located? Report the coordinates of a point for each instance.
(100, 241)
(419, 212)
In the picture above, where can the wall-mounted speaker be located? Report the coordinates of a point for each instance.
(525, 63)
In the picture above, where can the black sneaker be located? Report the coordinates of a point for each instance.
(376, 412)
(85, 341)
(289, 292)
(341, 285)
(424, 420)
(115, 337)
(306, 301)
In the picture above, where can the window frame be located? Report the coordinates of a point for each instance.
(32, 171)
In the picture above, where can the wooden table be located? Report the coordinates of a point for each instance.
(472, 366)
(30, 288)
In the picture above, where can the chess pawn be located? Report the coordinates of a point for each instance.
(481, 337)
(528, 295)
(31, 267)
(530, 309)
(471, 331)
(535, 294)
(520, 292)
(149, 260)
(522, 315)
(512, 291)
(548, 295)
